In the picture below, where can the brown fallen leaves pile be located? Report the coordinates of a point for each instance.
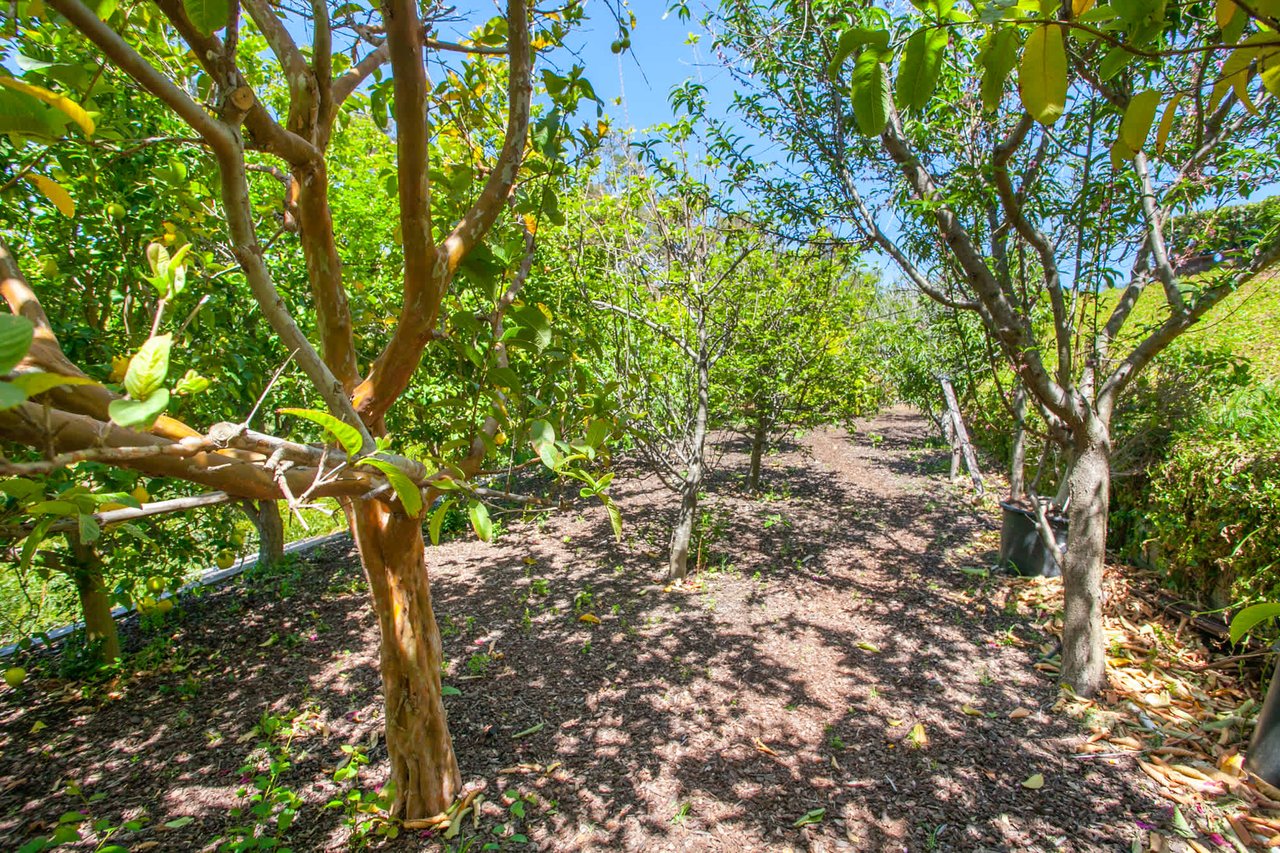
(1185, 725)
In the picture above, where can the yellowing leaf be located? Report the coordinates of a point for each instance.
(530, 223)
(38, 727)
(868, 647)
(1034, 782)
(917, 736)
(62, 104)
(1166, 123)
(894, 723)
(1079, 7)
(1138, 116)
(970, 711)
(1042, 75)
(55, 193)
(1223, 12)
(589, 618)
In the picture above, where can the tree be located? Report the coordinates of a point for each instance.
(670, 274)
(261, 102)
(799, 357)
(916, 109)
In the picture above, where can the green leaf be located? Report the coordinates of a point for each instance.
(191, 383)
(1042, 76)
(1138, 117)
(854, 38)
(998, 59)
(615, 514)
(404, 488)
(15, 339)
(598, 431)
(812, 816)
(139, 414)
(480, 521)
(89, 528)
(344, 433)
(208, 16)
(35, 384)
(11, 395)
(921, 62)
(541, 432)
(1249, 618)
(1121, 154)
(870, 94)
(1114, 62)
(535, 327)
(449, 690)
(437, 520)
(148, 369)
(179, 822)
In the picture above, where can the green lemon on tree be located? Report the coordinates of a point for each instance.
(225, 559)
(155, 584)
(15, 675)
(115, 210)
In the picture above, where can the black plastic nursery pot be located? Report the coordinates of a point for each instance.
(1263, 757)
(1021, 545)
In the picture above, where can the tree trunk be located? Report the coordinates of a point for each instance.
(1018, 454)
(266, 517)
(1083, 652)
(758, 442)
(95, 601)
(423, 765)
(678, 565)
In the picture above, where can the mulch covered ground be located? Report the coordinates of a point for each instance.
(841, 674)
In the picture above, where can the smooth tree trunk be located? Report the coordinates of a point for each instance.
(95, 602)
(1018, 454)
(678, 564)
(759, 440)
(1083, 646)
(423, 765)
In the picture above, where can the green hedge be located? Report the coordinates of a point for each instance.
(1213, 521)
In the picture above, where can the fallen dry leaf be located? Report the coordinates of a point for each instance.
(1019, 713)
(1033, 782)
(761, 746)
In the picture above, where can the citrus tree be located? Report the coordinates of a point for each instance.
(258, 104)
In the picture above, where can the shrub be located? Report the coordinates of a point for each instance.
(1214, 506)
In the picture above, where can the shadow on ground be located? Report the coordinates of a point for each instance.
(832, 655)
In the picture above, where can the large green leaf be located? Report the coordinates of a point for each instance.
(534, 326)
(139, 414)
(1138, 117)
(344, 433)
(1249, 618)
(870, 94)
(1042, 76)
(437, 520)
(209, 16)
(404, 488)
(854, 38)
(480, 521)
(998, 59)
(15, 339)
(148, 369)
(918, 72)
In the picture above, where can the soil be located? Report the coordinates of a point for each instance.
(832, 654)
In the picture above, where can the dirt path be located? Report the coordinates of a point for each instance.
(833, 656)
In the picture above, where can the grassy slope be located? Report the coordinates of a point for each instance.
(1248, 322)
